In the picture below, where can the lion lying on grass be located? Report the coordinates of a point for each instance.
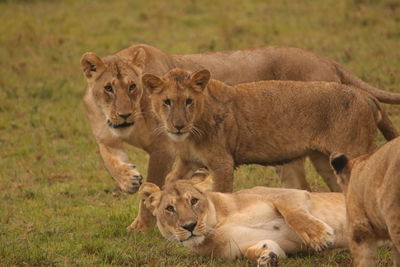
(219, 127)
(261, 223)
(371, 184)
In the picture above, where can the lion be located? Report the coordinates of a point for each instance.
(261, 223)
(371, 184)
(219, 127)
(118, 110)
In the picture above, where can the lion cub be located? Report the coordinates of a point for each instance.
(371, 184)
(261, 223)
(219, 127)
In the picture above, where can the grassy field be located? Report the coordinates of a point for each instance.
(56, 201)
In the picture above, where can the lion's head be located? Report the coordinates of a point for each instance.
(182, 209)
(177, 99)
(116, 86)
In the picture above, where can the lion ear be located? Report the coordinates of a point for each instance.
(340, 164)
(92, 65)
(153, 83)
(150, 194)
(205, 185)
(139, 58)
(200, 79)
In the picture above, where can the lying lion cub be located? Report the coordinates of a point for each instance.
(371, 184)
(261, 223)
(219, 127)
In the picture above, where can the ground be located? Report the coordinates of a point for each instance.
(56, 201)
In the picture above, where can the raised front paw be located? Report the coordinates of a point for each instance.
(318, 235)
(128, 178)
(267, 259)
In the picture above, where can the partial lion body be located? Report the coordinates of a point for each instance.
(250, 216)
(260, 223)
(279, 121)
(372, 187)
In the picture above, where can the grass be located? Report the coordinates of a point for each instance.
(56, 202)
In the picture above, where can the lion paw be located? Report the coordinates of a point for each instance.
(267, 259)
(318, 236)
(138, 225)
(129, 178)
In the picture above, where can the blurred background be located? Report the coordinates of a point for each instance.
(56, 201)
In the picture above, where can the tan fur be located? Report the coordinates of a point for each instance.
(371, 184)
(221, 127)
(232, 67)
(260, 223)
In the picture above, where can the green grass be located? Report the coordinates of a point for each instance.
(56, 202)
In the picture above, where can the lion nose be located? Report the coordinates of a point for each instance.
(125, 115)
(190, 226)
(179, 127)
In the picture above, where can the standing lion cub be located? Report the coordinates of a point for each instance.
(371, 184)
(219, 127)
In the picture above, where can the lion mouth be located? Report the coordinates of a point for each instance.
(190, 237)
(178, 136)
(121, 125)
(178, 133)
(193, 240)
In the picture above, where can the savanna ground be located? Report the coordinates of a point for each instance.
(56, 201)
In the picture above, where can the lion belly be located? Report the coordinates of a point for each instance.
(255, 223)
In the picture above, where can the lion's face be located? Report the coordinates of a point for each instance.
(116, 88)
(181, 209)
(177, 100)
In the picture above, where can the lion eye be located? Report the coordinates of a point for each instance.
(170, 208)
(108, 88)
(167, 102)
(189, 101)
(194, 201)
(132, 87)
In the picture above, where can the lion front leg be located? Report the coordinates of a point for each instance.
(361, 236)
(396, 256)
(221, 169)
(364, 252)
(295, 208)
(115, 160)
(159, 165)
(143, 221)
(181, 169)
(265, 253)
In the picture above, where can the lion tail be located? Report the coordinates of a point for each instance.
(350, 79)
(383, 122)
(386, 127)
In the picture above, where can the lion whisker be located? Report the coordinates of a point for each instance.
(159, 130)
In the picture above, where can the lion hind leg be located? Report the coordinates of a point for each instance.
(293, 175)
(322, 166)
